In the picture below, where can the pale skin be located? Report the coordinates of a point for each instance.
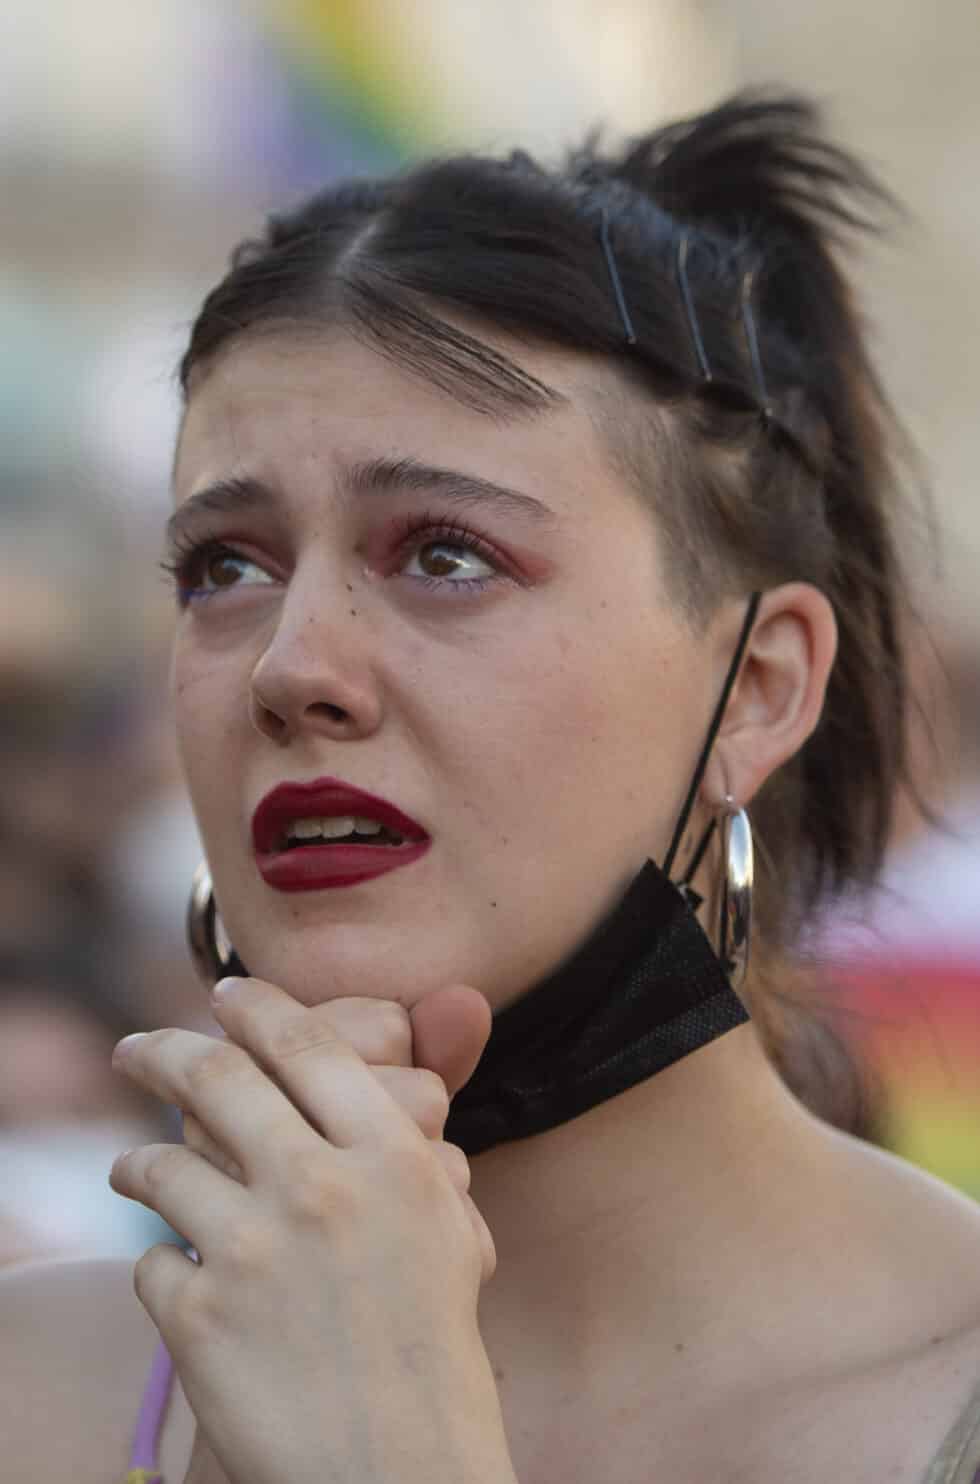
(692, 1275)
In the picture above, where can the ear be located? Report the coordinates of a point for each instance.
(778, 697)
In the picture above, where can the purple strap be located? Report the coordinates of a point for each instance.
(149, 1424)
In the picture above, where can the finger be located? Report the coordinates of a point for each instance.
(280, 1034)
(421, 1094)
(159, 1278)
(195, 1199)
(197, 1138)
(488, 1252)
(456, 1164)
(450, 1029)
(380, 1031)
(323, 1075)
(258, 1123)
(243, 1112)
(428, 1112)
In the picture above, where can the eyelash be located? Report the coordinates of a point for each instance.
(191, 557)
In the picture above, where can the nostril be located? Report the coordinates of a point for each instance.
(265, 720)
(335, 713)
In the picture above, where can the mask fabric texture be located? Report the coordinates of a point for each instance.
(645, 989)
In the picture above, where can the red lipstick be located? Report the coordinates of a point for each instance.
(313, 867)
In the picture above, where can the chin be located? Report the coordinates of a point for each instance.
(310, 969)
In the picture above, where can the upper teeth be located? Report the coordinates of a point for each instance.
(332, 828)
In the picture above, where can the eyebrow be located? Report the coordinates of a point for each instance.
(381, 476)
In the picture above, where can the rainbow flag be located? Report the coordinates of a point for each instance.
(357, 71)
(914, 1021)
(909, 973)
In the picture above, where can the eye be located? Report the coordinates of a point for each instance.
(449, 561)
(451, 557)
(202, 569)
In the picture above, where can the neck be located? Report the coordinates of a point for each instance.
(634, 1222)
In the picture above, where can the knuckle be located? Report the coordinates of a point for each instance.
(396, 1027)
(436, 1088)
(416, 1174)
(421, 1094)
(435, 1103)
(456, 1163)
(221, 1060)
(488, 1253)
(191, 1309)
(315, 1197)
(201, 1143)
(194, 1135)
(248, 1252)
(484, 1239)
(141, 1274)
(304, 1033)
(163, 1164)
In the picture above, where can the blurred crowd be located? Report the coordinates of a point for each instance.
(137, 145)
(96, 846)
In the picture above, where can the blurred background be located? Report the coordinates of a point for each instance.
(138, 143)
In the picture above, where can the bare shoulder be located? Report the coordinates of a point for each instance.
(75, 1351)
(909, 1376)
(888, 1422)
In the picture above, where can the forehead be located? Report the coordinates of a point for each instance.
(284, 405)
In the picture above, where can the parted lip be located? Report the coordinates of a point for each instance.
(320, 797)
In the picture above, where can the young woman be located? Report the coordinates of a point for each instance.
(533, 530)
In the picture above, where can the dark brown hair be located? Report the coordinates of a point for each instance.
(755, 189)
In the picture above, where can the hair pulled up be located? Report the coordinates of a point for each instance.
(759, 197)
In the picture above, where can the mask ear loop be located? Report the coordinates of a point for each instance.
(702, 762)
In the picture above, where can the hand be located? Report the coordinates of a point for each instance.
(422, 1056)
(444, 1034)
(337, 1258)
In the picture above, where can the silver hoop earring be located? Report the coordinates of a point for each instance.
(735, 918)
(210, 946)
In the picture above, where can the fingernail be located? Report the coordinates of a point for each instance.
(123, 1047)
(224, 987)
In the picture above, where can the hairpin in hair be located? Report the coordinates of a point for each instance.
(692, 319)
(614, 276)
(748, 322)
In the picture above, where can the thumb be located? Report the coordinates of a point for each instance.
(450, 1028)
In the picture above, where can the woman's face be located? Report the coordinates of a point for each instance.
(537, 704)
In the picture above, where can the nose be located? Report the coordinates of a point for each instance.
(315, 675)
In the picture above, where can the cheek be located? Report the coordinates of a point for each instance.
(614, 735)
(572, 730)
(204, 698)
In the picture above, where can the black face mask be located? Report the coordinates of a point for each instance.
(645, 989)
